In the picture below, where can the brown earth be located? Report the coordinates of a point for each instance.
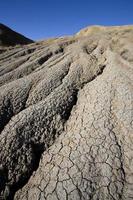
(9, 37)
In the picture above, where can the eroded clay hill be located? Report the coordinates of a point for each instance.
(66, 117)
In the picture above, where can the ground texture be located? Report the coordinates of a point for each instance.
(66, 117)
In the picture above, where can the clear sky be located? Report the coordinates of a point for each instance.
(40, 19)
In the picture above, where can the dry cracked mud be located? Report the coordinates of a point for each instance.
(66, 117)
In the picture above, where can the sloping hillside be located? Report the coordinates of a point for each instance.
(9, 37)
(66, 117)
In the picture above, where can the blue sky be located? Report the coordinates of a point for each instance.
(40, 19)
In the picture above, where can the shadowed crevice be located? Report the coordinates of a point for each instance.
(72, 100)
(37, 150)
(45, 58)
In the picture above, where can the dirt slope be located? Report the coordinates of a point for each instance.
(66, 117)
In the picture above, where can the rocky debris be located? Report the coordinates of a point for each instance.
(66, 118)
(9, 37)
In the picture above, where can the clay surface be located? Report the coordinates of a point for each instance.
(66, 117)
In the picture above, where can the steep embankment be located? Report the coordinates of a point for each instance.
(66, 117)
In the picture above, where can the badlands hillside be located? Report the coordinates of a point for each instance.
(66, 116)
